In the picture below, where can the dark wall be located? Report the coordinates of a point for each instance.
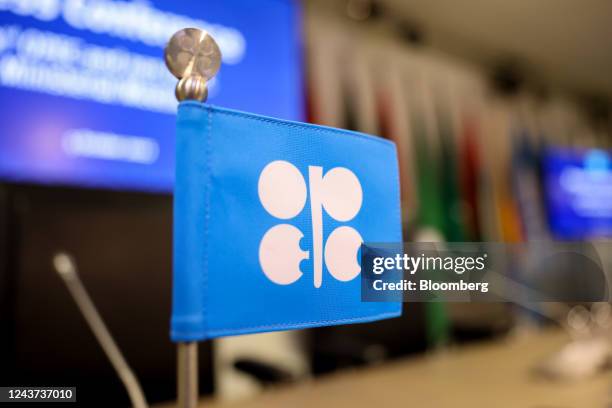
(122, 243)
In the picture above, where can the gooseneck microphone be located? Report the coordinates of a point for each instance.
(66, 268)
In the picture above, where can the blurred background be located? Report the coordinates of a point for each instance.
(501, 112)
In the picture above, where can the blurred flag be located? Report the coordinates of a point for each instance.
(269, 217)
(470, 175)
(431, 225)
(450, 192)
(526, 183)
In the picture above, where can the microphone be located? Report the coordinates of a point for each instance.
(66, 268)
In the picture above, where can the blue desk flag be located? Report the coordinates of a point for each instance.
(269, 216)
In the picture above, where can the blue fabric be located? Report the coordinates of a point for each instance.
(220, 287)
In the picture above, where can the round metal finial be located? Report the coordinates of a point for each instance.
(192, 56)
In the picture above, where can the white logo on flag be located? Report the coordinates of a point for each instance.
(283, 193)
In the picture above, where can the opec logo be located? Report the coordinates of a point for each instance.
(283, 193)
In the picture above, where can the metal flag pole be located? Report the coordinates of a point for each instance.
(187, 374)
(193, 57)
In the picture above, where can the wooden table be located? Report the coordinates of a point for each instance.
(490, 375)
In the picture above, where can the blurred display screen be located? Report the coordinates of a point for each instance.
(578, 185)
(86, 98)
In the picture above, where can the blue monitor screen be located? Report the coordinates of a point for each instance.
(578, 187)
(86, 98)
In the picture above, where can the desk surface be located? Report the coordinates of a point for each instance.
(496, 374)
